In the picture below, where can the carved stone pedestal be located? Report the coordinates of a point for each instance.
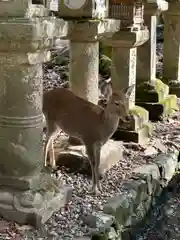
(123, 73)
(32, 199)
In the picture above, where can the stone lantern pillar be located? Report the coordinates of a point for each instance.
(84, 55)
(27, 193)
(152, 93)
(84, 59)
(171, 50)
(124, 45)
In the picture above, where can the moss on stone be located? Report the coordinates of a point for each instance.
(161, 88)
(152, 91)
(106, 50)
(149, 127)
(105, 65)
(140, 112)
(170, 104)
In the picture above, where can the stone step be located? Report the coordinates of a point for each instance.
(75, 157)
(153, 91)
(140, 136)
(138, 118)
(161, 109)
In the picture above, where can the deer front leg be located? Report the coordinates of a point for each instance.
(96, 167)
(93, 155)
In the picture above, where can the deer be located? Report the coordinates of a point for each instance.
(79, 118)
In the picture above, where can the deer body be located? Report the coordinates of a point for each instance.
(79, 118)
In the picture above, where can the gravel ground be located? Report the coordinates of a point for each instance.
(68, 223)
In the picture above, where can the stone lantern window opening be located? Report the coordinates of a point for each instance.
(131, 13)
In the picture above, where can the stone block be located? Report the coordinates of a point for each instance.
(170, 104)
(111, 153)
(125, 205)
(148, 169)
(23, 8)
(99, 220)
(167, 164)
(137, 190)
(153, 91)
(28, 35)
(156, 110)
(136, 120)
(120, 206)
(174, 87)
(140, 136)
(161, 109)
(175, 91)
(140, 212)
(150, 173)
(136, 126)
(34, 205)
(155, 98)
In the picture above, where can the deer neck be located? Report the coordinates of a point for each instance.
(111, 120)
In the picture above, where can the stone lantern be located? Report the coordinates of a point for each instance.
(152, 93)
(73, 9)
(124, 45)
(130, 13)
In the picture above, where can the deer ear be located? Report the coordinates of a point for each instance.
(127, 91)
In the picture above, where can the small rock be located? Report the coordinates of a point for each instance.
(99, 220)
(167, 164)
(148, 169)
(150, 150)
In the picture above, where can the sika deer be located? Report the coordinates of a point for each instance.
(81, 119)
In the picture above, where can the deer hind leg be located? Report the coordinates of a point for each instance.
(52, 132)
(52, 159)
(96, 167)
(46, 149)
(93, 153)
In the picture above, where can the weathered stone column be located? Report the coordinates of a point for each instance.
(84, 55)
(27, 193)
(146, 61)
(152, 93)
(171, 52)
(123, 74)
(84, 59)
